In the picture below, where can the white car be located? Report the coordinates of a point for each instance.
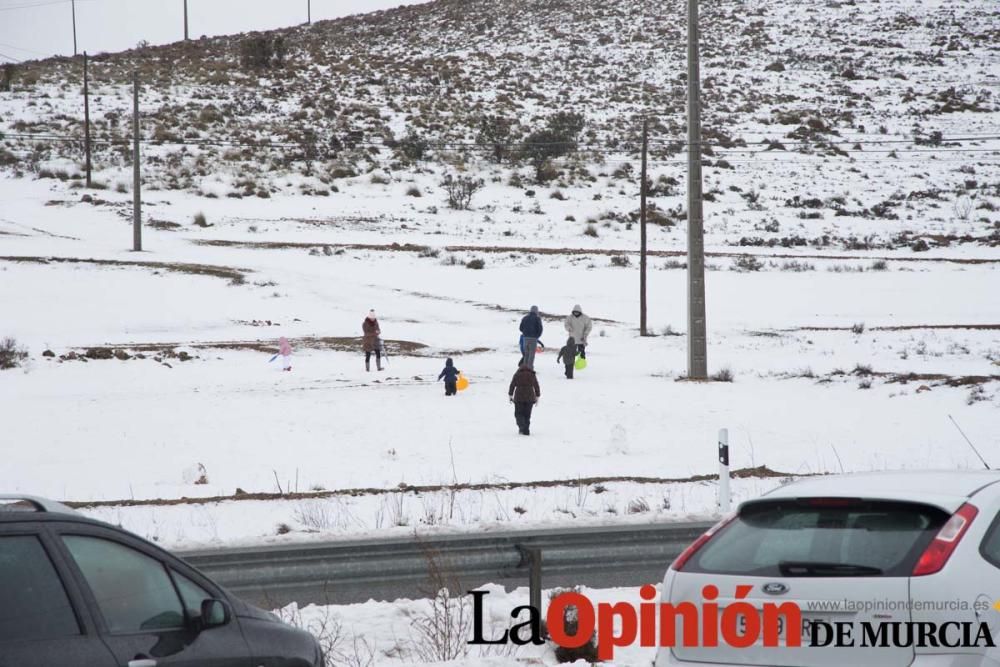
(911, 553)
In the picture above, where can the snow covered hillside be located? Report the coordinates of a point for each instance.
(852, 189)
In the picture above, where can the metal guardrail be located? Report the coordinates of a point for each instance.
(388, 569)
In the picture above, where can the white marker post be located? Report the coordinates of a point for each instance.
(724, 470)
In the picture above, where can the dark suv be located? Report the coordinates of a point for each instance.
(79, 592)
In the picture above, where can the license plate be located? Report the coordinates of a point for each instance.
(807, 627)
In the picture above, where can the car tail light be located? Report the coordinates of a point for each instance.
(939, 551)
(679, 562)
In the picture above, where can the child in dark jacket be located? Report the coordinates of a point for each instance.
(450, 375)
(567, 355)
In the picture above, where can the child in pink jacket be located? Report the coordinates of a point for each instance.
(285, 350)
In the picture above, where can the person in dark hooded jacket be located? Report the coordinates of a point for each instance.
(450, 375)
(567, 355)
(524, 393)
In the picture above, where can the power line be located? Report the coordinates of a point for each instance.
(616, 149)
(39, 4)
(326, 149)
(18, 48)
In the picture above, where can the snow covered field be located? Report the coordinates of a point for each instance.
(808, 395)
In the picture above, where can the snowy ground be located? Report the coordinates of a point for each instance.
(802, 399)
(403, 632)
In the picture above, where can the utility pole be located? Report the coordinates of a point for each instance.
(86, 119)
(697, 335)
(185, 20)
(136, 195)
(642, 230)
(73, 3)
(309, 12)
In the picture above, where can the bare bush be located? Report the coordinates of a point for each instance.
(496, 133)
(441, 633)
(620, 260)
(327, 630)
(460, 190)
(263, 52)
(316, 514)
(11, 354)
(963, 208)
(722, 375)
(745, 263)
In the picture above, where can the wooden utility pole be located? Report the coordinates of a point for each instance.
(136, 194)
(185, 20)
(86, 119)
(73, 3)
(697, 335)
(642, 230)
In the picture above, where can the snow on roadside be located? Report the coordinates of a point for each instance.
(389, 633)
(186, 526)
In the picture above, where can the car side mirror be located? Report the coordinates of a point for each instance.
(214, 613)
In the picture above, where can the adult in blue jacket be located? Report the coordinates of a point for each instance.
(531, 329)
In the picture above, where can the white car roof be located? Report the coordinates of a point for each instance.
(946, 489)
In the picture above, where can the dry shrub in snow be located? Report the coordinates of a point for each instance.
(261, 52)
(330, 634)
(723, 375)
(963, 208)
(460, 190)
(441, 633)
(11, 354)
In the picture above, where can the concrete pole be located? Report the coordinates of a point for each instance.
(185, 20)
(86, 119)
(642, 230)
(73, 3)
(697, 346)
(309, 12)
(136, 194)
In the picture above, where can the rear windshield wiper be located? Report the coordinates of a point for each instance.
(804, 568)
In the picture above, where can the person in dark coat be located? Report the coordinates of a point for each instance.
(531, 329)
(450, 375)
(370, 341)
(567, 355)
(524, 393)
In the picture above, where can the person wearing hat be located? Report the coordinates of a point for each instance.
(531, 329)
(370, 341)
(578, 326)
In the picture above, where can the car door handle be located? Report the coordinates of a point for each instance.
(142, 662)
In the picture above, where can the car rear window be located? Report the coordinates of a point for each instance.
(821, 537)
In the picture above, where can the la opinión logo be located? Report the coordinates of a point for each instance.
(738, 623)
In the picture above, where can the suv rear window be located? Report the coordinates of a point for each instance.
(821, 537)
